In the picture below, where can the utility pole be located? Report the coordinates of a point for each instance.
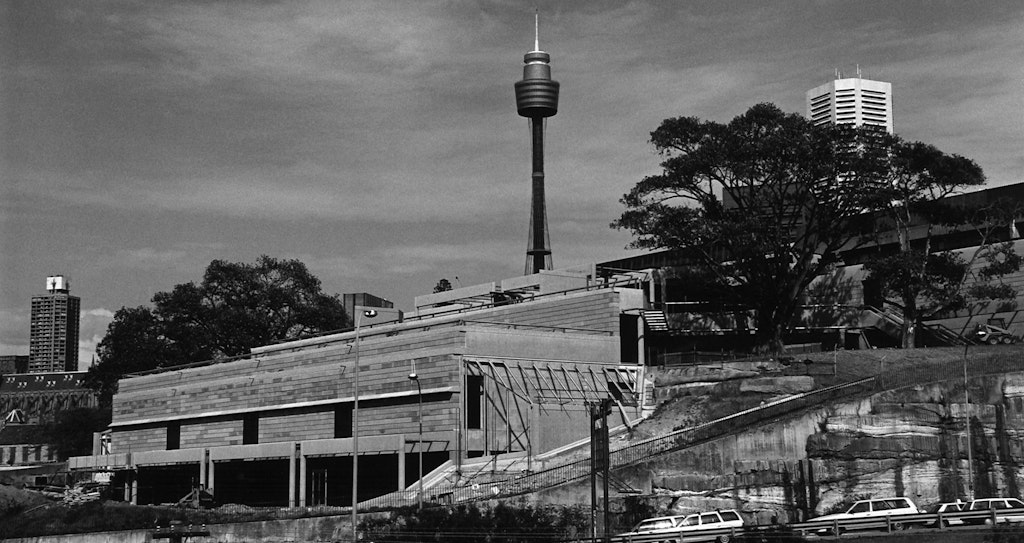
(599, 462)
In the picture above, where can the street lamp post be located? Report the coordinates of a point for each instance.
(967, 430)
(368, 313)
(419, 439)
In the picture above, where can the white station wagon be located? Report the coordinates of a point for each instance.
(674, 526)
(999, 505)
(880, 507)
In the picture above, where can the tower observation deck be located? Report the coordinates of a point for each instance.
(537, 99)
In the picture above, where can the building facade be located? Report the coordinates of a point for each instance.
(53, 339)
(494, 379)
(29, 401)
(856, 101)
(13, 363)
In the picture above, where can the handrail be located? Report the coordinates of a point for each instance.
(643, 450)
(887, 523)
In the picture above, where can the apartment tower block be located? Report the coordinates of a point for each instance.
(53, 339)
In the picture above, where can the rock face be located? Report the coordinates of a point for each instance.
(905, 442)
(908, 442)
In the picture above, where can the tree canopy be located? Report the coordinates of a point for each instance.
(762, 205)
(912, 201)
(236, 307)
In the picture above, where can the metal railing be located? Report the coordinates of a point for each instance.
(825, 527)
(638, 452)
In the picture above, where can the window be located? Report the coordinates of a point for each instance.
(729, 515)
(251, 429)
(173, 435)
(861, 507)
(343, 421)
(474, 400)
(709, 518)
(318, 494)
(629, 338)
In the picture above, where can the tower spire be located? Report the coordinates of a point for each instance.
(536, 30)
(537, 99)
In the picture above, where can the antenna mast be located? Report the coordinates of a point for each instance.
(536, 30)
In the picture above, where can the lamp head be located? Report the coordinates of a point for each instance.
(413, 376)
(370, 313)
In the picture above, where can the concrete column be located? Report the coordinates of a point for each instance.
(401, 462)
(291, 476)
(641, 348)
(203, 468)
(302, 480)
(210, 472)
(135, 489)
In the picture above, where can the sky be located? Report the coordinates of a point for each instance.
(378, 141)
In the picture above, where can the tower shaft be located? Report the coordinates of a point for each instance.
(538, 251)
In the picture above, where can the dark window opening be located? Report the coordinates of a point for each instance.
(251, 429)
(629, 339)
(620, 392)
(474, 400)
(343, 421)
(173, 435)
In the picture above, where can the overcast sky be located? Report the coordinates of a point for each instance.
(378, 142)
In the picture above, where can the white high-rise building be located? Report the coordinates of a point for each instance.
(856, 101)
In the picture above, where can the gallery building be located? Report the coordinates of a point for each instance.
(502, 370)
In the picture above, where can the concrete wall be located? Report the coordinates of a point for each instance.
(295, 393)
(325, 529)
(542, 345)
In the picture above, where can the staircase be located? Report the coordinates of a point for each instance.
(930, 335)
(655, 320)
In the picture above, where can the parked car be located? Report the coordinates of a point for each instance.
(874, 508)
(712, 520)
(656, 525)
(946, 509)
(1007, 510)
(673, 526)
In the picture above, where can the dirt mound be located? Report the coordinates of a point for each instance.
(14, 500)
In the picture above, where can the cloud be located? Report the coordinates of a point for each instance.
(14, 332)
(181, 256)
(92, 328)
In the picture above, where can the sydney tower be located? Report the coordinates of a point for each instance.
(537, 99)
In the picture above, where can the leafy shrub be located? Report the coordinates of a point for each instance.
(470, 524)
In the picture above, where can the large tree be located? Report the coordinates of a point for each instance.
(762, 205)
(236, 307)
(912, 199)
(72, 430)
